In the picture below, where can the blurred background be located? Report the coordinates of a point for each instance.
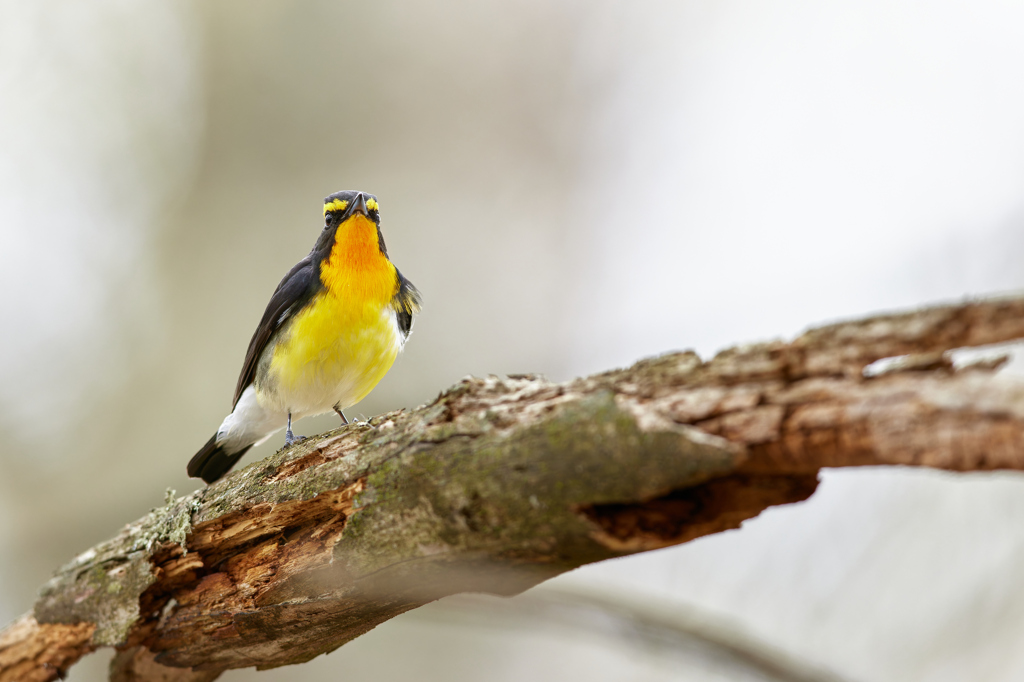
(573, 186)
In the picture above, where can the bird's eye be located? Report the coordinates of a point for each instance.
(328, 219)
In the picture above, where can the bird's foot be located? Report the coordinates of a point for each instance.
(289, 437)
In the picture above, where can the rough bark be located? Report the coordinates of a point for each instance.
(500, 484)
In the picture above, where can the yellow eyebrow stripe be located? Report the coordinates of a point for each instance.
(371, 204)
(336, 205)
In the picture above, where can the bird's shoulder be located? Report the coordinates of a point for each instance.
(406, 302)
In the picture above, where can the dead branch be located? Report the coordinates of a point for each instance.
(500, 484)
(678, 630)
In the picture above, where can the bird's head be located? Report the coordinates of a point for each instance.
(351, 224)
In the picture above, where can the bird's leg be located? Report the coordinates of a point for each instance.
(289, 437)
(341, 414)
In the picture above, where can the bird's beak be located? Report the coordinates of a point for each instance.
(359, 206)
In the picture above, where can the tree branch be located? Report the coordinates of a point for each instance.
(500, 484)
(673, 630)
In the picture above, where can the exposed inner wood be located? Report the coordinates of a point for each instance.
(683, 515)
(34, 652)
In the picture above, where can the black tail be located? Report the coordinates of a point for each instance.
(213, 461)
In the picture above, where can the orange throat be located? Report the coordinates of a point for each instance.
(356, 267)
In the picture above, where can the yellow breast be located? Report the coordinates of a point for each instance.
(344, 341)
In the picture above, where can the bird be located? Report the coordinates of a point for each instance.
(332, 330)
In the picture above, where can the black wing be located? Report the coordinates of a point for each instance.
(295, 290)
(406, 303)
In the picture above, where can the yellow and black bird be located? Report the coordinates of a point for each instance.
(330, 333)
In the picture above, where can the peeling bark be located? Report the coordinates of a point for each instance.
(500, 484)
